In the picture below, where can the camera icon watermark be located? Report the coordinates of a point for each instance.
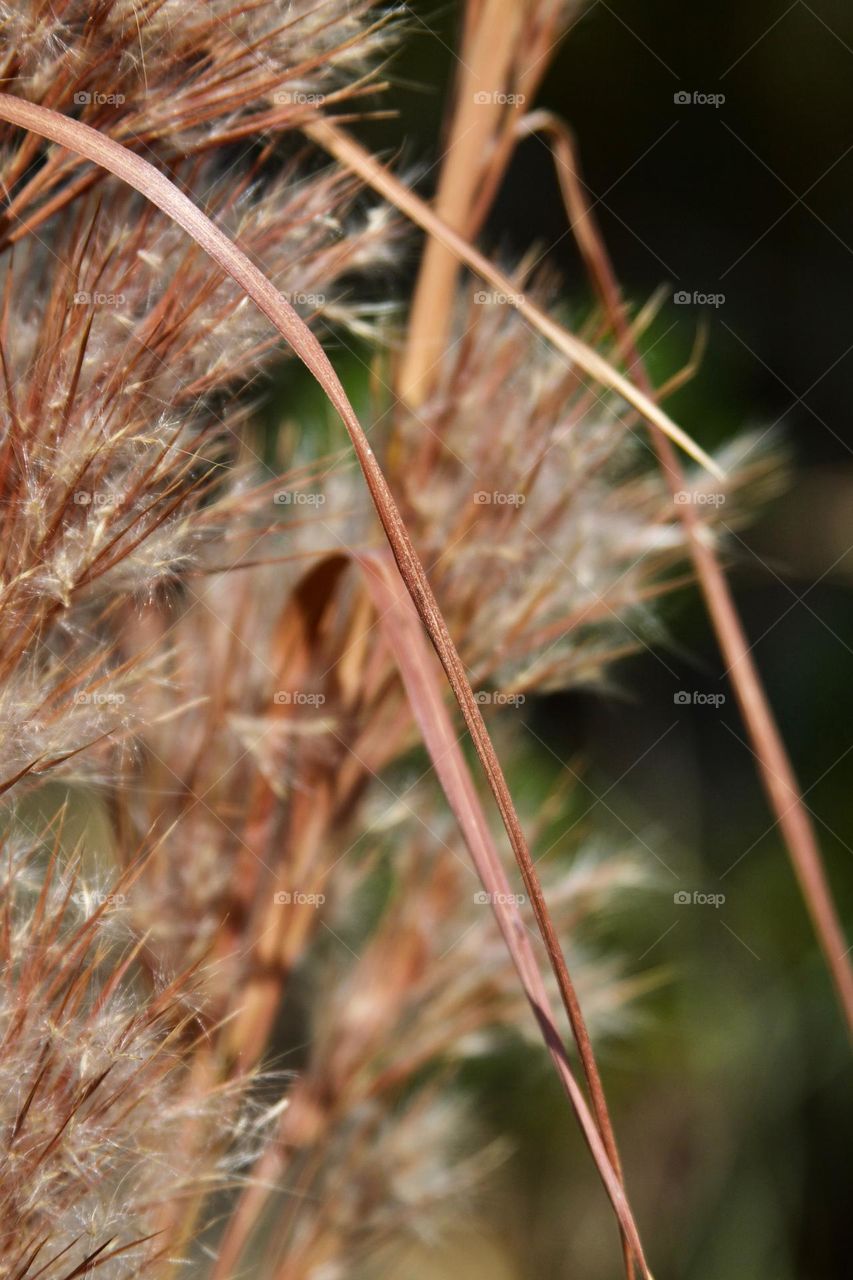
(698, 498)
(305, 299)
(298, 98)
(99, 500)
(484, 899)
(484, 498)
(698, 99)
(499, 699)
(683, 898)
(498, 98)
(298, 498)
(99, 699)
(684, 298)
(93, 898)
(494, 297)
(298, 698)
(83, 98)
(83, 298)
(694, 698)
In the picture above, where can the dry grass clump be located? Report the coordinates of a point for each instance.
(201, 628)
(530, 494)
(94, 1068)
(179, 81)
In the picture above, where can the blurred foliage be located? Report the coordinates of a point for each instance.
(731, 1104)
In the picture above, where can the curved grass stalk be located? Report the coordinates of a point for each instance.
(162, 192)
(414, 662)
(774, 764)
(776, 770)
(345, 149)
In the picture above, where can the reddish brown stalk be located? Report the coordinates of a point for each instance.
(777, 773)
(345, 149)
(421, 678)
(774, 764)
(495, 56)
(157, 188)
(424, 695)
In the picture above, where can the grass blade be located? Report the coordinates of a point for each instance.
(405, 638)
(346, 150)
(774, 764)
(162, 192)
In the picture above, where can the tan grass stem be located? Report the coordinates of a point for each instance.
(774, 763)
(350, 153)
(157, 188)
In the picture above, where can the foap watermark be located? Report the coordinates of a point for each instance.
(298, 498)
(496, 498)
(695, 698)
(298, 98)
(101, 501)
(483, 899)
(497, 97)
(88, 898)
(698, 498)
(99, 699)
(296, 898)
(696, 98)
(306, 299)
(494, 297)
(83, 98)
(298, 698)
(684, 298)
(85, 298)
(683, 898)
(499, 699)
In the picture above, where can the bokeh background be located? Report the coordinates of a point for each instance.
(733, 1101)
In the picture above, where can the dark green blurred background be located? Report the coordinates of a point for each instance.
(734, 1104)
